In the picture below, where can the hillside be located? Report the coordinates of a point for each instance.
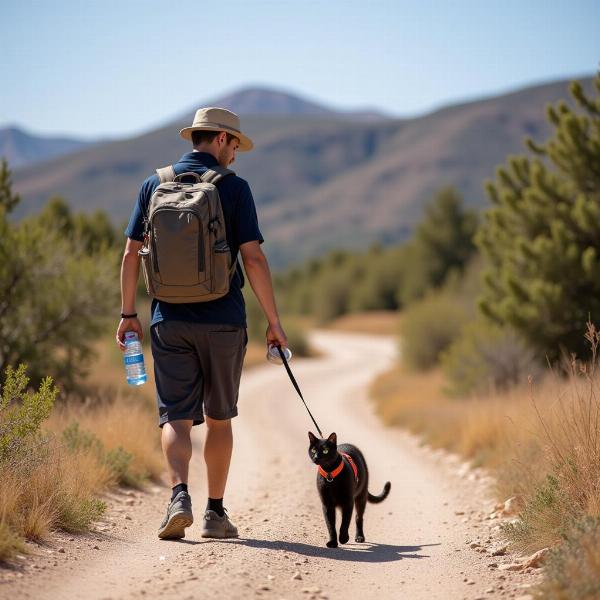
(21, 148)
(320, 180)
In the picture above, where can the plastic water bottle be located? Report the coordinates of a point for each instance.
(135, 371)
(274, 356)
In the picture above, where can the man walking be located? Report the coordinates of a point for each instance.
(199, 347)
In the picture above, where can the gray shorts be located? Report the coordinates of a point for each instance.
(197, 368)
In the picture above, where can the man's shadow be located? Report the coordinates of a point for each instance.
(366, 552)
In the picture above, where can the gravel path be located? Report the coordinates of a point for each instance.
(418, 541)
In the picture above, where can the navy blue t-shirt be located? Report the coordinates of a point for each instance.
(241, 224)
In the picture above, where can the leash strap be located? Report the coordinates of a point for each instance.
(295, 384)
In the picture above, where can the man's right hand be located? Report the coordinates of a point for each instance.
(276, 336)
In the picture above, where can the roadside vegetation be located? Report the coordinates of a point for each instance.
(505, 332)
(66, 414)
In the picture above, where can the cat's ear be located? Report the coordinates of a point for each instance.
(333, 438)
(312, 437)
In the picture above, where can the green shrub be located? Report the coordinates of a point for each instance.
(429, 327)
(117, 460)
(572, 570)
(22, 411)
(487, 358)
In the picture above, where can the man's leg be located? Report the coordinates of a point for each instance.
(177, 448)
(217, 454)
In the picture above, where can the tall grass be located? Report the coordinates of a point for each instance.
(542, 442)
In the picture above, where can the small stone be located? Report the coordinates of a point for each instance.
(61, 550)
(297, 575)
(130, 501)
(474, 545)
(512, 567)
(96, 548)
(536, 559)
(459, 512)
(264, 587)
(311, 590)
(270, 577)
(127, 518)
(500, 551)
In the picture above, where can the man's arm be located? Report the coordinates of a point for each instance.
(130, 271)
(259, 275)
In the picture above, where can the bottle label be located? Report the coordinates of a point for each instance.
(135, 358)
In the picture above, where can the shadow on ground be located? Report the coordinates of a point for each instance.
(371, 553)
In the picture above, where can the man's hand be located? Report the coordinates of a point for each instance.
(276, 336)
(132, 324)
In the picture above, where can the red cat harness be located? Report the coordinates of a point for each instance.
(339, 468)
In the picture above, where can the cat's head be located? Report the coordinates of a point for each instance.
(321, 451)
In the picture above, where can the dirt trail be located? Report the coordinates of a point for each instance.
(417, 546)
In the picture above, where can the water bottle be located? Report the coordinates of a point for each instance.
(274, 356)
(134, 359)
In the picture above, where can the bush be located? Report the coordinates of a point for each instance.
(428, 328)
(21, 411)
(486, 358)
(573, 568)
(117, 460)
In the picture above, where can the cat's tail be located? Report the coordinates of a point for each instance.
(382, 496)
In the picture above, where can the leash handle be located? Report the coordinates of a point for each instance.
(295, 384)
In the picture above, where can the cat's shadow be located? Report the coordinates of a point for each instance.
(366, 552)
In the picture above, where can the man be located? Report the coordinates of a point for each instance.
(198, 348)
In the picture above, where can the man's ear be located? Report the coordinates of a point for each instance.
(333, 438)
(312, 437)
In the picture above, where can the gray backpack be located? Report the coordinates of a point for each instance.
(185, 256)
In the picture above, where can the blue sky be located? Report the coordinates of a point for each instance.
(114, 68)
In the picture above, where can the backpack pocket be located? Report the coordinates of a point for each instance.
(221, 266)
(179, 247)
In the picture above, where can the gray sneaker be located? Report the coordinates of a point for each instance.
(179, 516)
(215, 526)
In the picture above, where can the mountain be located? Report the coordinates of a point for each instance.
(320, 180)
(20, 148)
(267, 101)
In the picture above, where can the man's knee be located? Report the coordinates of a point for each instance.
(218, 424)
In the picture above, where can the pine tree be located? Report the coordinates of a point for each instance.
(541, 237)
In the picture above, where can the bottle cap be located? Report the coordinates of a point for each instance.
(131, 335)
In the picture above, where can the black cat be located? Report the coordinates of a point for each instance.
(342, 482)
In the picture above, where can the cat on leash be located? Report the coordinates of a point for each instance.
(342, 482)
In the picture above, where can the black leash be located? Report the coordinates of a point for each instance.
(295, 384)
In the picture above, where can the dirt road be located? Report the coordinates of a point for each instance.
(417, 545)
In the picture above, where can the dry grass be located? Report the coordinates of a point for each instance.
(381, 322)
(541, 440)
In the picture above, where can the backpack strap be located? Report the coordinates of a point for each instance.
(215, 174)
(166, 174)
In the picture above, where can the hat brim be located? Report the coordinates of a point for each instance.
(246, 144)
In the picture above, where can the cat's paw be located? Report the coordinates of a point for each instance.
(344, 537)
(359, 538)
(332, 544)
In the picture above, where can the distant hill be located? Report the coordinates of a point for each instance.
(320, 179)
(252, 101)
(20, 148)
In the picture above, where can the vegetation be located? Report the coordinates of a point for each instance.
(57, 284)
(541, 237)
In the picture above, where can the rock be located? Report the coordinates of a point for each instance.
(512, 506)
(512, 567)
(474, 545)
(270, 577)
(500, 551)
(130, 501)
(311, 590)
(96, 548)
(459, 512)
(264, 587)
(297, 575)
(536, 559)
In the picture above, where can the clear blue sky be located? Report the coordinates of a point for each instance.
(112, 68)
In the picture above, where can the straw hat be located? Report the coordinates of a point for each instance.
(218, 119)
